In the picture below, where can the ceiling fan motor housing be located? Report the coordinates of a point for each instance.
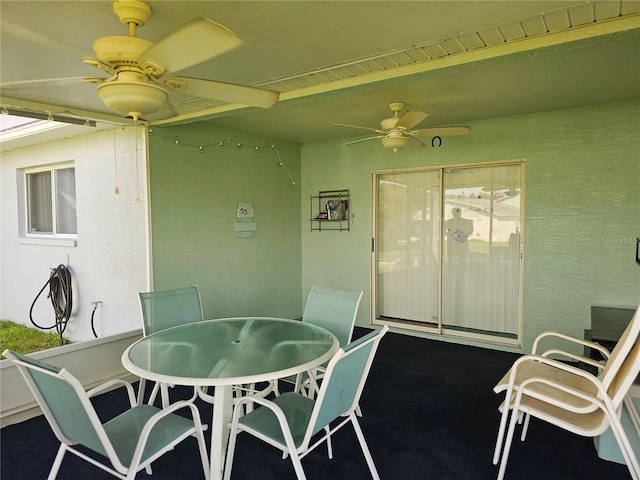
(119, 50)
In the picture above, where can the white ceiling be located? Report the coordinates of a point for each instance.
(590, 56)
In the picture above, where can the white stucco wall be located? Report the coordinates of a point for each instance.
(110, 260)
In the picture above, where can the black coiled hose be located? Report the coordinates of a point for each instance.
(60, 294)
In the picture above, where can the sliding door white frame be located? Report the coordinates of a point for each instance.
(470, 264)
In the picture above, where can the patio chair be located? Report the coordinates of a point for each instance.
(571, 397)
(165, 309)
(130, 441)
(334, 310)
(290, 421)
(564, 344)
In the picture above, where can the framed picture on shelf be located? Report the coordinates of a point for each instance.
(336, 209)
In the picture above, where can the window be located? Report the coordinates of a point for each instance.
(51, 201)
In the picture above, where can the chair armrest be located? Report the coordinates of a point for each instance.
(562, 398)
(275, 409)
(579, 341)
(261, 393)
(259, 400)
(580, 358)
(110, 386)
(154, 419)
(172, 408)
(165, 412)
(522, 388)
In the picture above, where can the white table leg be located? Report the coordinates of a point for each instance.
(164, 394)
(222, 412)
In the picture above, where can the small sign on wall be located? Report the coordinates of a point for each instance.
(245, 227)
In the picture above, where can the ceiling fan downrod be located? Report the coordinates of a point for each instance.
(133, 13)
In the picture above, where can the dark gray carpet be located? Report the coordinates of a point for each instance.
(429, 413)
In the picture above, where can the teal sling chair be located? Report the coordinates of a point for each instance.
(334, 310)
(165, 309)
(291, 421)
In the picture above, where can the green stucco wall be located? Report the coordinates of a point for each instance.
(582, 208)
(582, 213)
(194, 196)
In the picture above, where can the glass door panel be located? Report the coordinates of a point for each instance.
(408, 245)
(481, 232)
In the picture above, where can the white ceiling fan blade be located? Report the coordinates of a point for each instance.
(362, 128)
(39, 83)
(30, 36)
(225, 92)
(410, 119)
(443, 131)
(364, 140)
(415, 142)
(194, 43)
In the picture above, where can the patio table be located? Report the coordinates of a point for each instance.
(225, 352)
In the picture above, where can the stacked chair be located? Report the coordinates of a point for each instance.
(571, 397)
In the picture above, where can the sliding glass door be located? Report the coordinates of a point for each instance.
(447, 248)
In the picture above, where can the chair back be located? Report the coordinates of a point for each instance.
(621, 351)
(64, 404)
(334, 310)
(170, 308)
(625, 376)
(344, 381)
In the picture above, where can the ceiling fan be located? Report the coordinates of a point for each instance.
(140, 81)
(398, 132)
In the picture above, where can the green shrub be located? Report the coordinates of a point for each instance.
(23, 339)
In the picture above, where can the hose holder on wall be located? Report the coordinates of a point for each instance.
(61, 296)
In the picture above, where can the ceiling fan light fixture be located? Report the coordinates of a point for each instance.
(395, 142)
(132, 98)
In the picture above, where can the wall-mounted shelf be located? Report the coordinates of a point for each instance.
(331, 210)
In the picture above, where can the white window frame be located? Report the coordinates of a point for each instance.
(54, 234)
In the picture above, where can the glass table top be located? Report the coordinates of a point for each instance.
(230, 350)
